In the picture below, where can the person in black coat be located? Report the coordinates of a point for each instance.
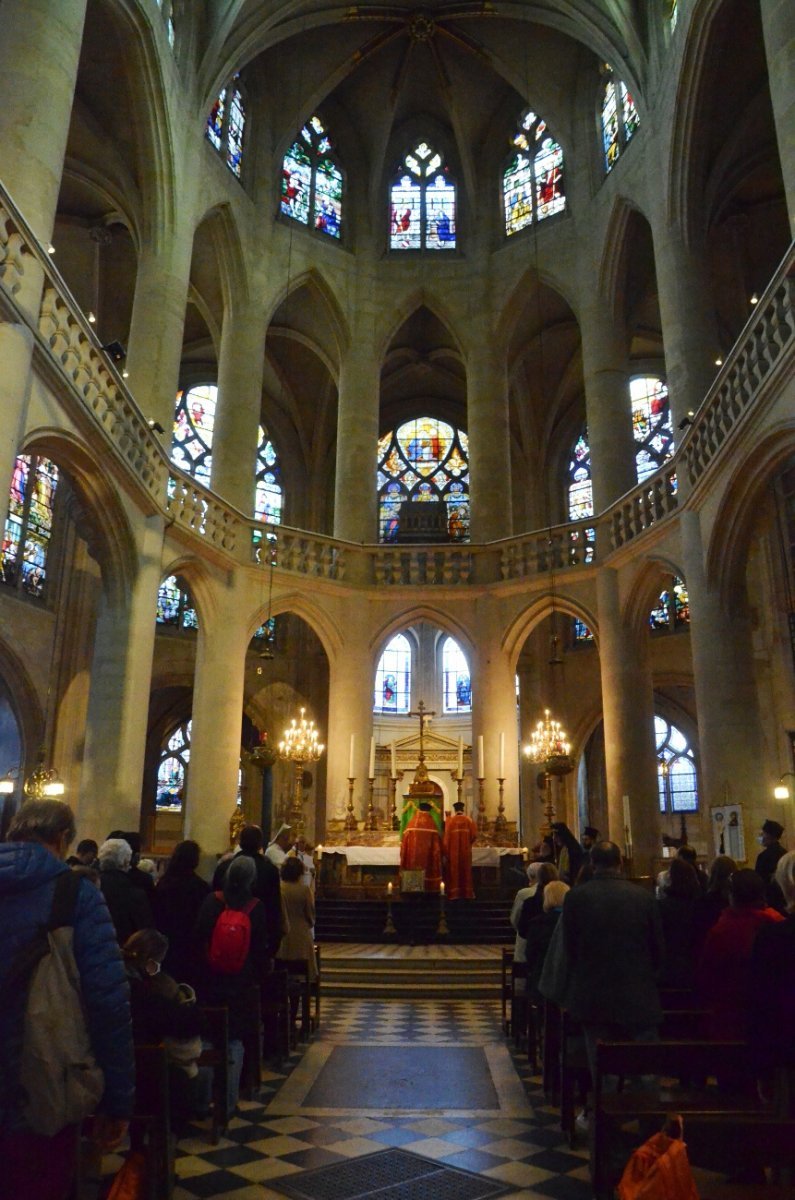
(570, 852)
(128, 905)
(140, 879)
(771, 990)
(267, 887)
(175, 904)
(679, 905)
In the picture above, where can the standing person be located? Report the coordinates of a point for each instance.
(36, 1166)
(138, 878)
(679, 904)
(129, 907)
(716, 897)
(175, 906)
(570, 852)
(266, 887)
(590, 836)
(460, 832)
(613, 947)
(767, 860)
(771, 985)
(305, 853)
(85, 855)
(279, 846)
(299, 942)
(421, 847)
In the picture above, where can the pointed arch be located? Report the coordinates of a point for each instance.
(195, 573)
(543, 606)
(220, 223)
(645, 589)
(325, 628)
(405, 308)
(422, 612)
(614, 251)
(24, 701)
(315, 283)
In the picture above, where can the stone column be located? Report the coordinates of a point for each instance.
(154, 349)
(118, 702)
(730, 753)
(350, 712)
(488, 428)
(237, 416)
(494, 713)
(628, 709)
(16, 347)
(216, 732)
(605, 365)
(355, 507)
(690, 332)
(778, 26)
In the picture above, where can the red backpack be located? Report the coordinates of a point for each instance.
(231, 939)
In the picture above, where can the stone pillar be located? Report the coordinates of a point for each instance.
(605, 365)
(216, 732)
(778, 26)
(355, 507)
(690, 332)
(16, 347)
(39, 56)
(237, 416)
(730, 753)
(628, 709)
(118, 702)
(350, 712)
(494, 712)
(154, 349)
(488, 428)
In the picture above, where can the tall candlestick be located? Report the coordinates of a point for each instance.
(460, 757)
(393, 753)
(350, 760)
(371, 771)
(481, 758)
(502, 756)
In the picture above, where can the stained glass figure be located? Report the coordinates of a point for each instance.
(651, 424)
(174, 606)
(620, 117)
(424, 459)
(672, 608)
(268, 497)
(457, 682)
(677, 779)
(226, 124)
(533, 177)
(422, 199)
(393, 677)
(172, 768)
(580, 483)
(311, 187)
(192, 439)
(28, 528)
(581, 633)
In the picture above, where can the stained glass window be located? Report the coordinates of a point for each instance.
(422, 203)
(226, 122)
(580, 484)
(457, 680)
(174, 606)
(268, 497)
(533, 179)
(393, 677)
(673, 15)
(192, 439)
(28, 527)
(677, 781)
(581, 633)
(424, 459)
(620, 117)
(172, 768)
(672, 607)
(311, 189)
(651, 424)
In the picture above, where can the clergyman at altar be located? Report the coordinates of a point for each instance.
(421, 848)
(460, 832)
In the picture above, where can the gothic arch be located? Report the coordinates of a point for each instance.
(404, 309)
(644, 591)
(423, 612)
(221, 224)
(514, 307)
(24, 700)
(196, 575)
(322, 625)
(314, 283)
(543, 606)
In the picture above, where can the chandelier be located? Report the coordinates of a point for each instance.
(550, 745)
(44, 783)
(299, 745)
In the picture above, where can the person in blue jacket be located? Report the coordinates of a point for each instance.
(34, 1165)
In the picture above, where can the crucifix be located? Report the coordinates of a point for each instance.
(423, 716)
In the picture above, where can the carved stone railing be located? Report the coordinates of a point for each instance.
(196, 510)
(299, 552)
(758, 353)
(423, 565)
(555, 549)
(637, 511)
(12, 250)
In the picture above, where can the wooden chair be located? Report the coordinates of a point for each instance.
(150, 1127)
(505, 989)
(730, 1144)
(314, 989)
(298, 989)
(215, 1031)
(251, 1078)
(574, 1070)
(275, 1014)
(550, 1062)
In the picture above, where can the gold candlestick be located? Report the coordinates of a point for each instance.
(389, 927)
(481, 822)
(500, 824)
(350, 819)
(393, 822)
(372, 821)
(442, 929)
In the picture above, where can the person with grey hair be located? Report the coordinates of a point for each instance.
(771, 984)
(32, 874)
(129, 908)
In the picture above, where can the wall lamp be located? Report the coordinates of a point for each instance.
(781, 791)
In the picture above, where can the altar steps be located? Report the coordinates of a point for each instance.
(405, 979)
(416, 920)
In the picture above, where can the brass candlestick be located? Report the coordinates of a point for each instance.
(393, 821)
(350, 819)
(481, 822)
(371, 822)
(442, 929)
(500, 824)
(389, 927)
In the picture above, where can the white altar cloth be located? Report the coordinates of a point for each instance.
(389, 856)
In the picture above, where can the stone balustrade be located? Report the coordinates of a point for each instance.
(424, 565)
(197, 510)
(655, 498)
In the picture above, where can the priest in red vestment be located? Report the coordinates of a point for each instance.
(460, 832)
(421, 848)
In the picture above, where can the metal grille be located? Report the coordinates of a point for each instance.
(389, 1175)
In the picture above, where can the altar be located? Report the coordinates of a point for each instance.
(368, 870)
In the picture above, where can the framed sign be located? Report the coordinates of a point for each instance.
(728, 833)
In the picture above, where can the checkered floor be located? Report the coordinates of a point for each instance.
(518, 1143)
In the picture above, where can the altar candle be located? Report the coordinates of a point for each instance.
(441, 887)
(350, 760)
(481, 758)
(502, 756)
(627, 822)
(394, 759)
(319, 851)
(371, 772)
(389, 888)
(460, 758)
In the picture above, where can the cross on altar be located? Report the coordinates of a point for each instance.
(423, 716)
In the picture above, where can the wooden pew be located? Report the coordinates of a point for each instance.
(251, 1078)
(150, 1127)
(215, 1030)
(731, 1144)
(505, 990)
(314, 988)
(275, 1015)
(298, 989)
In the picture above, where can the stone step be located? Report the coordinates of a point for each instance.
(404, 978)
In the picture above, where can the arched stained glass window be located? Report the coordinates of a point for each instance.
(174, 606)
(268, 498)
(676, 769)
(192, 439)
(312, 181)
(393, 677)
(172, 768)
(651, 424)
(672, 609)
(226, 124)
(424, 459)
(28, 527)
(580, 484)
(457, 680)
(422, 203)
(532, 182)
(620, 117)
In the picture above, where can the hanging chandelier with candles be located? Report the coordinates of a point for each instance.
(549, 744)
(299, 745)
